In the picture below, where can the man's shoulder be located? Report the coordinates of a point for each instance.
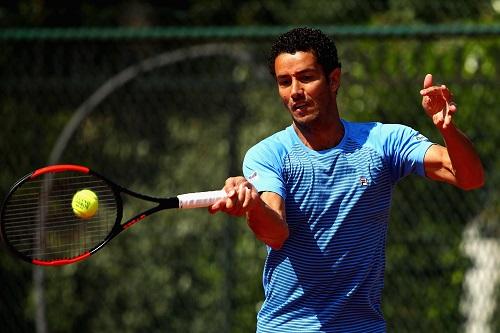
(278, 142)
(369, 132)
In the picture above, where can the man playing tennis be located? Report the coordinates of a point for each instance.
(318, 193)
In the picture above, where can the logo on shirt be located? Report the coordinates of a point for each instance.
(420, 137)
(363, 181)
(253, 177)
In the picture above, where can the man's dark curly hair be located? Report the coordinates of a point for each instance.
(306, 40)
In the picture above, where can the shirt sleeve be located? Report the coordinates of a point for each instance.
(263, 168)
(405, 150)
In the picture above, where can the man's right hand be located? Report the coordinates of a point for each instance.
(241, 197)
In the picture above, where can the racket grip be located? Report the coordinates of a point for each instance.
(200, 199)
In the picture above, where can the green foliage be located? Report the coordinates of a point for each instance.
(248, 12)
(186, 127)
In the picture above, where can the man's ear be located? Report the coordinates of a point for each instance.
(335, 79)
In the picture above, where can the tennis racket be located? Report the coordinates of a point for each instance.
(38, 223)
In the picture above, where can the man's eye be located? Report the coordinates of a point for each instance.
(284, 83)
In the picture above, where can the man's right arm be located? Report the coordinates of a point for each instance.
(268, 221)
(265, 212)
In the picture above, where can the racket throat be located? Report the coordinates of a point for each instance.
(162, 204)
(134, 220)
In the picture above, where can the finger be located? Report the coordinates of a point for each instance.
(447, 117)
(241, 192)
(234, 208)
(426, 100)
(428, 81)
(231, 183)
(453, 107)
(435, 90)
(248, 197)
(232, 202)
(231, 192)
(441, 88)
(214, 208)
(446, 92)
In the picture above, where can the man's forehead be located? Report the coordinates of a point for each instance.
(298, 61)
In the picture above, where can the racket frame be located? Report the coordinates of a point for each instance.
(118, 226)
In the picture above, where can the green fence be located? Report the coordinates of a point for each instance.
(163, 111)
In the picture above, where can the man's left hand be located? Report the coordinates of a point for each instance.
(437, 102)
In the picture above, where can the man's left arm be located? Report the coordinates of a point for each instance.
(458, 163)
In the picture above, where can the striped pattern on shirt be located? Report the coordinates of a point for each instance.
(328, 276)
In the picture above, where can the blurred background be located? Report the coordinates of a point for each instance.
(166, 97)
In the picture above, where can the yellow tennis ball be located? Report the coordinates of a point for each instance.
(85, 204)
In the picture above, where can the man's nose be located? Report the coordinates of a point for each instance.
(297, 90)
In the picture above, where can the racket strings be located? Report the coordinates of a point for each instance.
(39, 221)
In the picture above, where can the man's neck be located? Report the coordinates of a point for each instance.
(322, 136)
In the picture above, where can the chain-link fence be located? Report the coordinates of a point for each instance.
(163, 114)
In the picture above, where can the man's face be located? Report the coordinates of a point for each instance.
(303, 87)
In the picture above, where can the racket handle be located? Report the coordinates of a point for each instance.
(200, 199)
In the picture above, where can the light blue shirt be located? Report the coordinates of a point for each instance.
(329, 274)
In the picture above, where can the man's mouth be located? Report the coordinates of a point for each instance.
(299, 106)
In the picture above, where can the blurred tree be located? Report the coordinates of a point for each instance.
(57, 13)
(168, 131)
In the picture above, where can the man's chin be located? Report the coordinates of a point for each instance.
(303, 116)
